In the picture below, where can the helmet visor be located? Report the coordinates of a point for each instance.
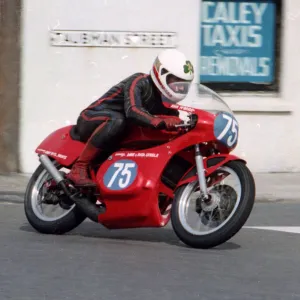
(178, 85)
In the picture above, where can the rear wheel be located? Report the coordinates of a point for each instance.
(49, 211)
(206, 224)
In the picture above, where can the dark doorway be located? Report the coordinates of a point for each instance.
(10, 49)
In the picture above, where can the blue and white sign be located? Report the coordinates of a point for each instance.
(237, 41)
(226, 129)
(120, 175)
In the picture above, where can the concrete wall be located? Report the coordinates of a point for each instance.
(57, 82)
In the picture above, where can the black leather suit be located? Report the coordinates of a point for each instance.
(135, 98)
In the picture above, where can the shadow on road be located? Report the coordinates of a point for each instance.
(152, 235)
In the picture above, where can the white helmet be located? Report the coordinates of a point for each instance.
(172, 73)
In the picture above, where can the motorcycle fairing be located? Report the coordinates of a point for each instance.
(211, 164)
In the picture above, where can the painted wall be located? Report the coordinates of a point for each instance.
(60, 81)
(57, 82)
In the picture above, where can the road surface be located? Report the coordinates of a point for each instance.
(94, 263)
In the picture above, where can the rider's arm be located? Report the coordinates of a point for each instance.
(134, 110)
(163, 110)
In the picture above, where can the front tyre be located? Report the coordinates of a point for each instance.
(38, 206)
(223, 216)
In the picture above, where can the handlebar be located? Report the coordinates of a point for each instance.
(183, 125)
(189, 124)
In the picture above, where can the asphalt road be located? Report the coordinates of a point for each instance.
(94, 263)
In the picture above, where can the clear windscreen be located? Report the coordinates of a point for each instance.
(205, 99)
(209, 100)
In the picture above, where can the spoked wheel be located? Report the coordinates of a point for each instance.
(47, 208)
(208, 223)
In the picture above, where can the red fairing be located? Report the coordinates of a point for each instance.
(136, 204)
(60, 146)
(191, 174)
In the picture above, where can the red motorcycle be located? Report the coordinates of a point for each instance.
(187, 176)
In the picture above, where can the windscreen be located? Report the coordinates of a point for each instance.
(209, 100)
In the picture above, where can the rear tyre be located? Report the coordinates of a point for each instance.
(239, 215)
(70, 219)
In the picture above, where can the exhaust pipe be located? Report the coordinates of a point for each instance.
(49, 166)
(87, 207)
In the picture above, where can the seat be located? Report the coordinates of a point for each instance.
(74, 134)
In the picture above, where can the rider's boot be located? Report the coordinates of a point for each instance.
(79, 172)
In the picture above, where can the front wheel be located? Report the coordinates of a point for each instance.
(47, 209)
(207, 224)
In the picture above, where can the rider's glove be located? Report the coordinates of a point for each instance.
(168, 122)
(172, 122)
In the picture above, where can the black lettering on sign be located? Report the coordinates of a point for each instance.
(110, 38)
(115, 39)
(85, 38)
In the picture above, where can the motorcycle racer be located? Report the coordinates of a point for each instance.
(137, 98)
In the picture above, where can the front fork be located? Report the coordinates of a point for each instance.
(201, 174)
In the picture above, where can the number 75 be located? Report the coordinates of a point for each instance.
(231, 125)
(125, 177)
